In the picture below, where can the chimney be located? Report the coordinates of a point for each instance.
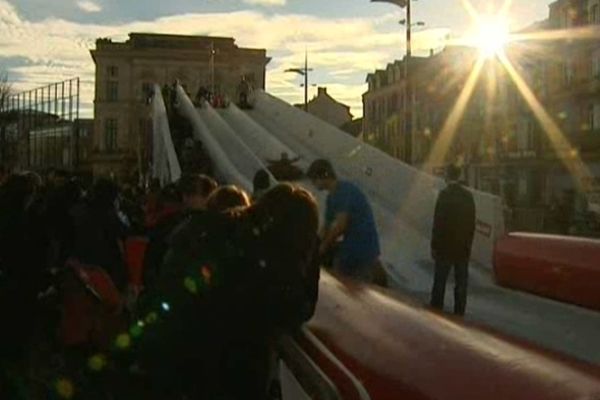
(322, 91)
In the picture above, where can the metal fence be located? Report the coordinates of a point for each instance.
(39, 128)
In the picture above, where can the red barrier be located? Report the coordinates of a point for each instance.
(558, 267)
(381, 348)
(135, 251)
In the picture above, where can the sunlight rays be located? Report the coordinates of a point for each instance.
(505, 8)
(583, 33)
(470, 10)
(559, 142)
(448, 132)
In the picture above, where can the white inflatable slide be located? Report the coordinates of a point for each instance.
(403, 199)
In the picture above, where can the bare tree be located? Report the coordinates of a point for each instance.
(5, 89)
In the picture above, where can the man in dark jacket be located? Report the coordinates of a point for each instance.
(452, 238)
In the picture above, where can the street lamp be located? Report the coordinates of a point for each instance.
(304, 72)
(211, 63)
(408, 90)
(419, 23)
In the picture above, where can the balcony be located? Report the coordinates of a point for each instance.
(111, 155)
(588, 142)
(583, 87)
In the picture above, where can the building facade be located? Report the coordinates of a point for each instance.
(329, 109)
(500, 141)
(125, 75)
(437, 81)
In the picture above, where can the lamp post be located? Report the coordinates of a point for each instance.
(408, 85)
(213, 53)
(304, 72)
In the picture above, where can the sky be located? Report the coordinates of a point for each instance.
(44, 41)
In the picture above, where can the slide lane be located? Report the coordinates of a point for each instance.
(413, 246)
(223, 160)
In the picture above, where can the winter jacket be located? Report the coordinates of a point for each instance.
(453, 224)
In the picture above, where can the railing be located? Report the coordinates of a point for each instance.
(311, 378)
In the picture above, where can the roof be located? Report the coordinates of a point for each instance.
(353, 127)
(324, 93)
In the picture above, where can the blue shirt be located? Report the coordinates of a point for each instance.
(360, 245)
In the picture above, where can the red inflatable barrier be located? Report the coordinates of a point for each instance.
(135, 251)
(373, 346)
(558, 267)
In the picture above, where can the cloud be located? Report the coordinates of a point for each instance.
(89, 6)
(266, 2)
(342, 51)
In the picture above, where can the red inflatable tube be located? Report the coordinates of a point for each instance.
(558, 267)
(374, 346)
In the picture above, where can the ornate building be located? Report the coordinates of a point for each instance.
(126, 72)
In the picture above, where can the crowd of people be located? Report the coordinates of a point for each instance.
(112, 291)
(223, 275)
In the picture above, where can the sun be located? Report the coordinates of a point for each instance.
(492, 36)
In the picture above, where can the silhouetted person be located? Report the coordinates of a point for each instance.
(284, 160)
(284, 168)
(98, 232)
(244, 92)
(452, 239)
(261, 183)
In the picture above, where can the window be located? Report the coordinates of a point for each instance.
(568, 73)
(594, 117)
(567, 18)
(146, 91)
(594, 14)
(112, 91)
(596, 64)
(110, 134)
(250, 77)
(526, 135)
(112, 71)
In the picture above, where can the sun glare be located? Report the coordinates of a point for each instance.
(492, 36)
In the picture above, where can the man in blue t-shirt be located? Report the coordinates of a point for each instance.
(348, 214)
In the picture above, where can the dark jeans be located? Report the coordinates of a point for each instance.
(461, 278)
